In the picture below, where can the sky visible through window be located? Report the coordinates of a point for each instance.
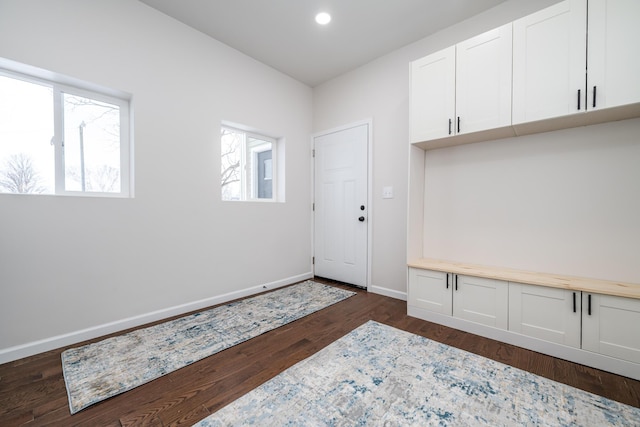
(26, 132)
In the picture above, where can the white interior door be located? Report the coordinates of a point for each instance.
(341, 205)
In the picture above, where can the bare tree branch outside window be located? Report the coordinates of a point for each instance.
(19, 176)
(92, 160)
(231, 147)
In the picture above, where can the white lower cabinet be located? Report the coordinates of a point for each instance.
(550, 314)
(594, 329)
(469, 298)
(610, 326)
(602, 324)
(430, 290)
(480, 300)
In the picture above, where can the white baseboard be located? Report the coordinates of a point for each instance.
(29, 349)
(388, 292)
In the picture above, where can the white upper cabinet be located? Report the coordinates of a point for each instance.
(433, 91)
(613, 74)
(572, 64)
(462, 89)
(549, 62)
(483, 81)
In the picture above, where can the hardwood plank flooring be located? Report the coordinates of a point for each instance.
(32, 390)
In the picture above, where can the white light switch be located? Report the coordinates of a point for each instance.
(387, 192)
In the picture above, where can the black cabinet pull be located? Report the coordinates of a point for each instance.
(589, 304)
(456, 282)
(574, 302)
(458, 124)
(578, 99)
(594, 97)
(449, 126)
(448, 273)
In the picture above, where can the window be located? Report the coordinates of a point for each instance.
(61, 139)
(248, 165)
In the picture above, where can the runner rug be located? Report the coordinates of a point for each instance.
(378, 375)
(104, 369)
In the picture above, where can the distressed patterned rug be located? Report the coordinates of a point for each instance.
(379, 375)
(104, 369)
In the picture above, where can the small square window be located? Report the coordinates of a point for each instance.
(248, 169)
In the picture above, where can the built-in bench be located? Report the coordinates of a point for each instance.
(589, 321)
(596, 286)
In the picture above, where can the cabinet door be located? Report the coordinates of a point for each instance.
(549, 314)
(481, 300)
(610, 326)
(432, 95)
(483, 81)
(614, 56)
(549, 62)
(430, 290)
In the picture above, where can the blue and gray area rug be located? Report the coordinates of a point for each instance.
(378, 375)
(104, 369)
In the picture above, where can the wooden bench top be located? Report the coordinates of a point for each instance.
(606, 287)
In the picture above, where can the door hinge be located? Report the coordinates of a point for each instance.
(313, 153)
(313, 260)
(313, 207)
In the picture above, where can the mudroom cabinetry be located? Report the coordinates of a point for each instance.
(550, 314)
(603, 324)
(613, 56)
(571, 64)
(463, 89)
(549, 62)
(475, 299)
(553, 314)
(610, 326)
(574, 57)
(432, 96)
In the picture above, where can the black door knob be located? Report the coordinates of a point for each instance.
(361, 219)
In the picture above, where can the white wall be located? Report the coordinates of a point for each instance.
(71, 263)
(380, 90)
(564, 202)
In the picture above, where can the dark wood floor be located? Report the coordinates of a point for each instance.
(32, 390)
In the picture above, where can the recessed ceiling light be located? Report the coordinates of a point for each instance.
(323, 18)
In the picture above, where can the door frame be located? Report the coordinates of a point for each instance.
(369, 123)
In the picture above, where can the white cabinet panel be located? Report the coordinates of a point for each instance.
(592, 329)
(610, 326)
(432, 95)
(463, 89)
(430, 290)
(572, 64)
(550, 314)
(549, 62)
(483, 81)
(614, 54)
(481, 300)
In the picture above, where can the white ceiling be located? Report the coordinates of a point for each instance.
(284, 35)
